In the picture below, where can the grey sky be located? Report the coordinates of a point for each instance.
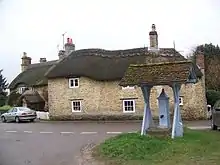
(36, 26)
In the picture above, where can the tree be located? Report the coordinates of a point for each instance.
(3, 87)
(212, 64)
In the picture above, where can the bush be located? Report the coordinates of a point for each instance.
(212, 96)
(3, 99)
(5, 108)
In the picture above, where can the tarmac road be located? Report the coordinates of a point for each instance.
(55, 143)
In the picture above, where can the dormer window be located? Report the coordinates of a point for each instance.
(73, 82)
(21, 90)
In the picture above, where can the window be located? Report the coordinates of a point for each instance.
(128, 106)
(180, 100)
(76, 106)
(128, 87)
(74, 82)
(21, 90)
(14, 110)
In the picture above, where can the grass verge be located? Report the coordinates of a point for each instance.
(195, 148)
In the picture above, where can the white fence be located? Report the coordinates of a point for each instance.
(42, 115)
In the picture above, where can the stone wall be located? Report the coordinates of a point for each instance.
(102, 99)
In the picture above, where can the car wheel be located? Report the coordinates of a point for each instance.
(17, 120)
(213, 126)
(3, 119)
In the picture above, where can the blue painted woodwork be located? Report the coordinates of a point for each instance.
(164, 115)
(177, 129)
(147, 118)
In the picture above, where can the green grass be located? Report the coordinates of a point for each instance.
(195, 148)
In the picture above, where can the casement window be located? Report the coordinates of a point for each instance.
(73, 82)
(76, 106)
(180, 100)
(21, 90)
(128, 87)
(128, 106)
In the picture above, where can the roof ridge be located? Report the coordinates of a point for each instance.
(161, 63)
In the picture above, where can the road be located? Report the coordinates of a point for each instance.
(55, 143)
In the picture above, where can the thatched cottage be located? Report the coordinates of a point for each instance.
(85, 83)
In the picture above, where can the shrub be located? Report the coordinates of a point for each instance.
(3, 99)
(212, 96)
(5, 108)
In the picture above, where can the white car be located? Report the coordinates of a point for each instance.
(18, 114)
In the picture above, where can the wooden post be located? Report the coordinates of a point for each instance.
(177, 130)
(147, 118)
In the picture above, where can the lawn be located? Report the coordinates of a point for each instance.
(195, 148)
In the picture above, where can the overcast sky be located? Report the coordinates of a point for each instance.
(36, 26)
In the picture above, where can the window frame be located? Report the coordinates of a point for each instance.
(80, 102)
(181, 102)
(73, 79)
(134, 106)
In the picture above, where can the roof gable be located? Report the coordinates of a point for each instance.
(33, 76)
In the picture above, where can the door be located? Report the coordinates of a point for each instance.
(8, 115)
(14, 113)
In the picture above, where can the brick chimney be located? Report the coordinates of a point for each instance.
(43, 60)
(61, 54)
(200, 61)
(25, 62)
(153, 38)
(69, 46)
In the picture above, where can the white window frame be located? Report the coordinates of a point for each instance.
(21, 90)
(80, 102)
(127, 87)
(180, 100)
(73, 79)
(124, 111)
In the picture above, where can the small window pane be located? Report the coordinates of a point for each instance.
(71, 83)
(76, 82)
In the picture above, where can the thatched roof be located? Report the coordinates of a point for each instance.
(106, 65)
(97, 64)
(33, 76)
(32, 97)
(159, 73)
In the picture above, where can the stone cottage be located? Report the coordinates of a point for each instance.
(85, 83)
